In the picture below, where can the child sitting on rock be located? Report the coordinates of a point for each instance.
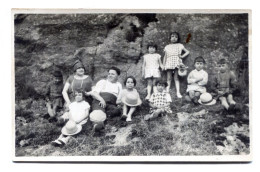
(224, 84)
(130, 98)
(54, 96)
(159, 102)
(77, 116)
(197, 79)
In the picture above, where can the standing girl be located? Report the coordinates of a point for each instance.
(173, 59)
(150, 70)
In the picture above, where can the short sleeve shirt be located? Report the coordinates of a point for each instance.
(160, 99)
(108, 87)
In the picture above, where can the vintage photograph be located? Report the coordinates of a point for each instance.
(130, 84)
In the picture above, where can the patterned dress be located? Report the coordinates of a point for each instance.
(172, 52)
(152, 65)
(160, 99)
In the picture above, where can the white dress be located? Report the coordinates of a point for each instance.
(199, 86)
(172, 52)
(152, 65)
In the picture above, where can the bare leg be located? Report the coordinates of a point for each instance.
(50, 110)
(197, 94)
(130, 113)
(149, 88)
(223, 101)
(124, 109)
(169, 80)
(154, 86)
(230, 99)
(156, 113)
(177, 84)
(192, 94)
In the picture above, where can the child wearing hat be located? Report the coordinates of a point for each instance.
(197, 79)
(77, 116)
(130, 98)
(54, 99)
(224, 84)
(159, 102)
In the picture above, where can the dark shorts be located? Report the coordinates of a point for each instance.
(57, 102)
(111, 108)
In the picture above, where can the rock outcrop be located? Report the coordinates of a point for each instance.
(46, 42)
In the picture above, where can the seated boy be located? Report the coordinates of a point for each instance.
(197, 80)
(77, 116)
(224, 84)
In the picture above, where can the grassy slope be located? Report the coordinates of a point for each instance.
(190, 130)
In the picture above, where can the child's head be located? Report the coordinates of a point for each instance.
(223, 65)
(199, 63)
(152, 48)
(130, 82)
(174, 37)
(57, 76)
(78, 96)
(161, 85)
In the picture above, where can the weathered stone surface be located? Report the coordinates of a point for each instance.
(46, 42)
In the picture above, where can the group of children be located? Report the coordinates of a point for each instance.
(158, 90)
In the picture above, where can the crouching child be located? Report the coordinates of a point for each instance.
(76, 117)
(224, 85)
(159, 102)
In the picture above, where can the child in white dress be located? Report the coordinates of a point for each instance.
(130, 98)
(173, 59)
(197, 79)
(77, 116)
(151, 68)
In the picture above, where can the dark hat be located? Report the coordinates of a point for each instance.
(163, 82)
(115, 68)
(77, 65)
(199, 59)
(57, 74)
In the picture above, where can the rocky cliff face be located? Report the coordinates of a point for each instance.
(45, 42)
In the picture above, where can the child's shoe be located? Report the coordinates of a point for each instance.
(123, 117)
(231, 108)
(57, 143)
(52, 119)
(195, 100)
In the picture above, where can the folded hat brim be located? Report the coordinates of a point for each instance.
(139, 102)
(210, 103)
(65, 132)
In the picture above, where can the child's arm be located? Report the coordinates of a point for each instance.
(164, 60)
(160, 63)
(191, 79)
(186, 52)
(65, 93)
(204, 80)
(143, 67)
(152, 105)
(96, 96)
(233, 82)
